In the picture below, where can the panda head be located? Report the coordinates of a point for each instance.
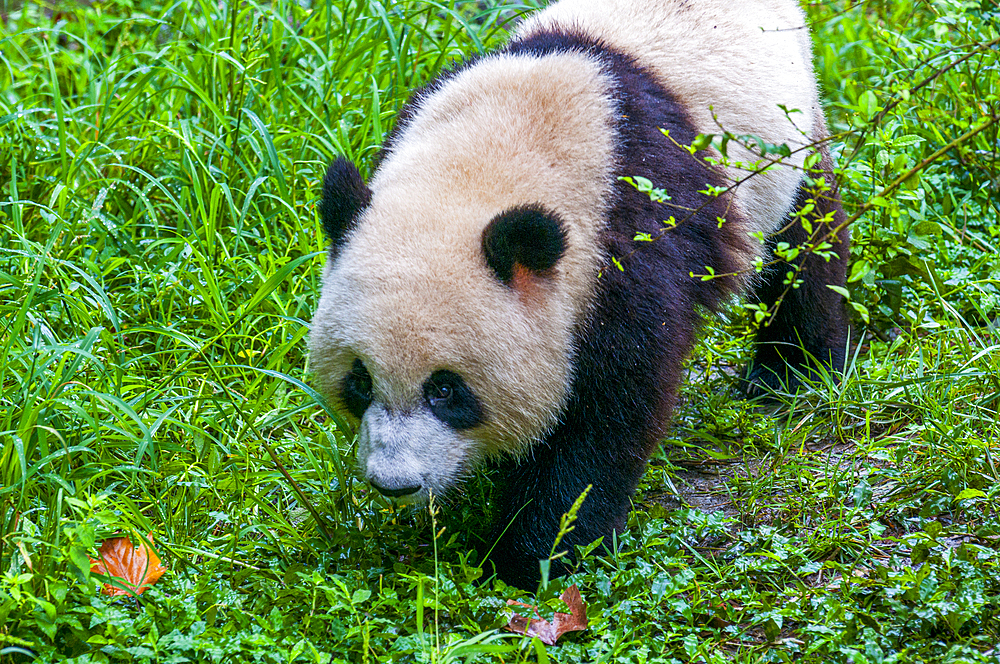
(458, 277)
(443, 341)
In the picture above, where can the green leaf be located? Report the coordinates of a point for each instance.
(868, 105)
(78, 556)
(969, 492)
(702, 141)
(859, 270)
(906, 140)
(862, 311)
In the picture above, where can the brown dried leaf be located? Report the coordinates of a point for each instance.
(134, 568)
(549, 632)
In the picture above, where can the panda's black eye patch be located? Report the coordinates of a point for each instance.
(452, 401)
(356, 389)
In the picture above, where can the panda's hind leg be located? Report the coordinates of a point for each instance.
(809, 325)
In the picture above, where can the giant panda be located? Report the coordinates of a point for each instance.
(485, 296)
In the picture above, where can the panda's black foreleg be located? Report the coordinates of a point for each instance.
(809, 328)
(538, 490)
(626, 374)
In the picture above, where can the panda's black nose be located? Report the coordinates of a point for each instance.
(395, 489)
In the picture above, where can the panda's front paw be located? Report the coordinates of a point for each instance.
(771, 377)
(763, 380)
(519, 567)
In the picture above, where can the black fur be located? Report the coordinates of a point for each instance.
(452, 401)
(345, 195)
(528, 236)
(810, 328)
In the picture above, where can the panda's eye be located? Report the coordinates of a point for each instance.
(356, 389)
(439, 394)
(452, 401)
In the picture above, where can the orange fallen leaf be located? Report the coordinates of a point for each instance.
(549, 632)
(134, 568)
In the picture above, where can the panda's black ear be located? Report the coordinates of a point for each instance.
(527, 236)
(345, 195)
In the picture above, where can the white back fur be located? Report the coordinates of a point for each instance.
(738, 59)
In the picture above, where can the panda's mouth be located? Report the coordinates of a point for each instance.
(392, 489)
(395, 491)
(408, 456)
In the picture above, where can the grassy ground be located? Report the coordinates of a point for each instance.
(159, 263)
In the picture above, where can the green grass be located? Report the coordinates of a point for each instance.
(159, 263)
